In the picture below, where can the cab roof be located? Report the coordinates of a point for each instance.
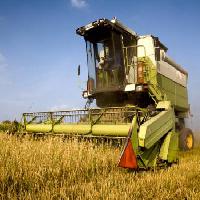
(114, 24)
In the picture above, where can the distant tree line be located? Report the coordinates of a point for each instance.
(9, 127)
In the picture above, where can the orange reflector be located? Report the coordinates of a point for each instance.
(128, 158)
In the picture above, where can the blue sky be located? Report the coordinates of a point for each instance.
(40, 52)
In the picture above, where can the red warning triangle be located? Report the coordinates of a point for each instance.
(128, 158)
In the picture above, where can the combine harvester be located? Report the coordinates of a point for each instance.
(141, 96)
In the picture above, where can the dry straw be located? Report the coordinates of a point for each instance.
(53, 169)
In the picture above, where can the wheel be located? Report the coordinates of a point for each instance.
(186, 139)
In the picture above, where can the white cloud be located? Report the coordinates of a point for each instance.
(78, 3)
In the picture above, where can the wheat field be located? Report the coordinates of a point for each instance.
(53, 169)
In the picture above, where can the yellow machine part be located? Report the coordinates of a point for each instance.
(39, 128)
(111, 130)
(189, 141)
(80, 129)
(120, 130)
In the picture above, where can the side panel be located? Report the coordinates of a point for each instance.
(169, 147)
(172, 73)
(175, 92)
(155, 128)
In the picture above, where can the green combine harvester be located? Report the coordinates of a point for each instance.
(140, 93)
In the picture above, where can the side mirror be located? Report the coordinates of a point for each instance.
(79, 70)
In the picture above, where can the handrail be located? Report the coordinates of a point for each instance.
(135, 46)
(126, 59)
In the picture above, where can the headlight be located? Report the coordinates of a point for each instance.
(139, 88)
(85, 94)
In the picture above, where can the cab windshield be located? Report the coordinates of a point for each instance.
(105, 61)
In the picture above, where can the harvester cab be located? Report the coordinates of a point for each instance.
(116, 74)
(141, 96)
(105, 58)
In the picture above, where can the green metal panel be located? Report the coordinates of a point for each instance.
(173, 148)
(169, 148)
(148, 157)
(164, 150)
(155, 128)
(150, 70)
(111, 130)
(175, 92)
(134, 136)
(80, 129)
(150, 77)
(39, 128)
(166, 105)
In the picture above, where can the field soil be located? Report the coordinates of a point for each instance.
(53, 169)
